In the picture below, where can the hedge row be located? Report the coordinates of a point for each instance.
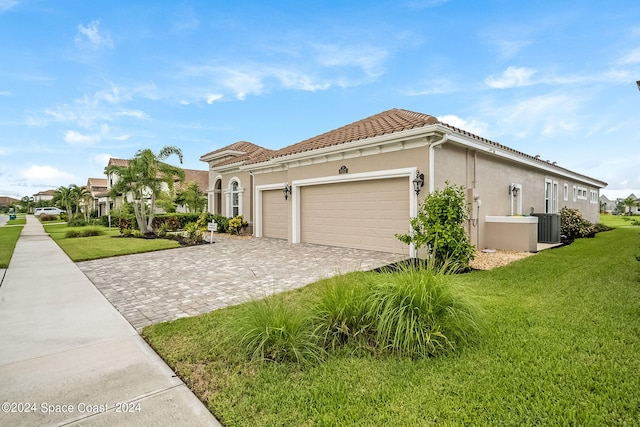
(174, 221)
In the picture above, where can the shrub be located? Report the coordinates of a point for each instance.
(47, 217)
(86, 232)
(418, 313)
(439, 226)
(573, 225)
(237, 224)
(270, 330)
(600, 227)
(341, 313)
(77, 222)
(222, 221)
(193, 233)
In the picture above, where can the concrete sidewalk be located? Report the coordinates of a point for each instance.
(67, 357)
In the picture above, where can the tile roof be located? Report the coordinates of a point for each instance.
(245, 152)
(199, 177)
(45, 193)
(118, 162)
(386, 122)
(97, 182)
(390, 121)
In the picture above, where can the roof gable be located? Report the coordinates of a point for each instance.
(238, 152)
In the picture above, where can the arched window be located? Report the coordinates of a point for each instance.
(235, 199)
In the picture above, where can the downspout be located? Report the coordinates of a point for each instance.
(432, 161)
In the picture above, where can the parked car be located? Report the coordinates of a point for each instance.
(49, 211)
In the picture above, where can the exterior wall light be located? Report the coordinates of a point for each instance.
(513, 190)
(286, 190)
(418, 182)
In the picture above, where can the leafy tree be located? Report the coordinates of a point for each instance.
(192, 198)
(439, 226)
(64, 197)
(142, 179)
(629, 204)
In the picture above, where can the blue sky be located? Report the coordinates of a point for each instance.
(82, 81)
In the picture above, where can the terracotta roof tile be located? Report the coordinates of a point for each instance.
(198, 176)
(118, 162)
(390, 121)
(245, 152)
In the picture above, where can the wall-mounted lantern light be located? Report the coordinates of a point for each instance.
(638, 84)
(286, 190)
(513, 190)
(418, 182)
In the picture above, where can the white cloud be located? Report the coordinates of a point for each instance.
(213, 98)
(5, 93)
(473, 125)
(76, 138)
(631, 57)
(298, 81)
(436, 87)
(367, 58)
(511, 77)
(92, 37)
(136, 114)
(6, 5)
(47, 174)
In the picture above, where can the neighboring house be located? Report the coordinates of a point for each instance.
(200, 177)
(634, 210)
(43, 195)
(98, 189)
(607, 205)
(354, 186)
(107, 203)
(7, 201)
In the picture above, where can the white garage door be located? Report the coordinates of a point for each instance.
(274, 214)
(361, 214)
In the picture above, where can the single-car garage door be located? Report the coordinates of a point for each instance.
(274, 214)
(360, 214)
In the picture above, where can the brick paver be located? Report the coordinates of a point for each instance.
(165, 285)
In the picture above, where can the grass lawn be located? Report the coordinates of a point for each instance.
(20, 220)
(8, 238)
(559, 346)
(619, 220)
(107, 245)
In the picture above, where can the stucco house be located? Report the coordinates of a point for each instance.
(106, 203)
(43, 195)
(358, 185)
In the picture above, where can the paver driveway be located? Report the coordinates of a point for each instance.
(165, 285)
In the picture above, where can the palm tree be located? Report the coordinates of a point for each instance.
(142, 180)
(64, 197)
(629, 203)
(192, 198)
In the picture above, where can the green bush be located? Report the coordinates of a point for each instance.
(47, 218)
(600, 227)
(341, 313)
(86, 232)
(77, 222)
(237, 224)
(573, 225)
(439, 226)
(270, 330)
(419, 313)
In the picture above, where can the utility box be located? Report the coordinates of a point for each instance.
(548, 227)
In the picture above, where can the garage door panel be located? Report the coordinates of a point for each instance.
(274, 215)
(363, 214)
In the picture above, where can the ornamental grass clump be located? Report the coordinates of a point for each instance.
(271, 330)
(420, 313)
(83, 232)
(341, 312)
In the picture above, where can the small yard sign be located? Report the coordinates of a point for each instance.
(212, 226)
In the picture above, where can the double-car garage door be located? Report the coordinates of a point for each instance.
(356, 214)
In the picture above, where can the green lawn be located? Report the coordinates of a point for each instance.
(560, 346)
(8, 238)
(619, 220)
(20, 220)
(107, 245)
